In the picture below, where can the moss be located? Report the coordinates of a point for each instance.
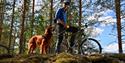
(9, 60)
(64, 58)
(69, 58)
(103, 59)
(118, 56)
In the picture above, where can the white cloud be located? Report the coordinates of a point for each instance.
(91, 18)
(107, 19)
(97, 31)
(93, 31)
(102, 25)
(112, 48)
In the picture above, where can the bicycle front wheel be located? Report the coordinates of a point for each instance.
(90, 46)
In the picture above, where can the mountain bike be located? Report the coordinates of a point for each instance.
(83, 43)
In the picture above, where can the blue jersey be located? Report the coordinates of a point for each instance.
(61, 14)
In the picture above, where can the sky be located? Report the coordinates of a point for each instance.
(109, 42)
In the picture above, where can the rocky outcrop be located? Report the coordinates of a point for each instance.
(63, 58)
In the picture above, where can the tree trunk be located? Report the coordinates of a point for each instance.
(32, 25)
(80, 12)
(80, 16)
(51, 12)
(117, 7)
(11, 26)
(21, 42)
(2, 6)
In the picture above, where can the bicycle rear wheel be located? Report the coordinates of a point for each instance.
(90, 46)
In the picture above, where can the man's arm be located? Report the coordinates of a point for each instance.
(61, 22)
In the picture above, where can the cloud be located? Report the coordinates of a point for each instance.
(112, 48)
(93, 31)
(97, 31)
(91, 18)
(105, 17)
(107, 20)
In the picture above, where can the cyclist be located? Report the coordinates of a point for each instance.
(61, 18)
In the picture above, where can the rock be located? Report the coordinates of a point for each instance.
(63, 58)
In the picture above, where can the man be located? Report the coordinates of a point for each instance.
(61, 18)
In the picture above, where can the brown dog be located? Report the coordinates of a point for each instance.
(42, 41)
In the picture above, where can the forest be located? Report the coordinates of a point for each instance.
(21, 19)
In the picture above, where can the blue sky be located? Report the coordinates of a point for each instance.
(109, 42)
(105, 37)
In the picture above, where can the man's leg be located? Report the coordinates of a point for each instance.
(72, 39)
(60, 32)
(74, 31)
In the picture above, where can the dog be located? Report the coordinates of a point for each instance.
(43, 41)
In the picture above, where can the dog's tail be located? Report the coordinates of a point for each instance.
(31, 42)
(33, 39)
